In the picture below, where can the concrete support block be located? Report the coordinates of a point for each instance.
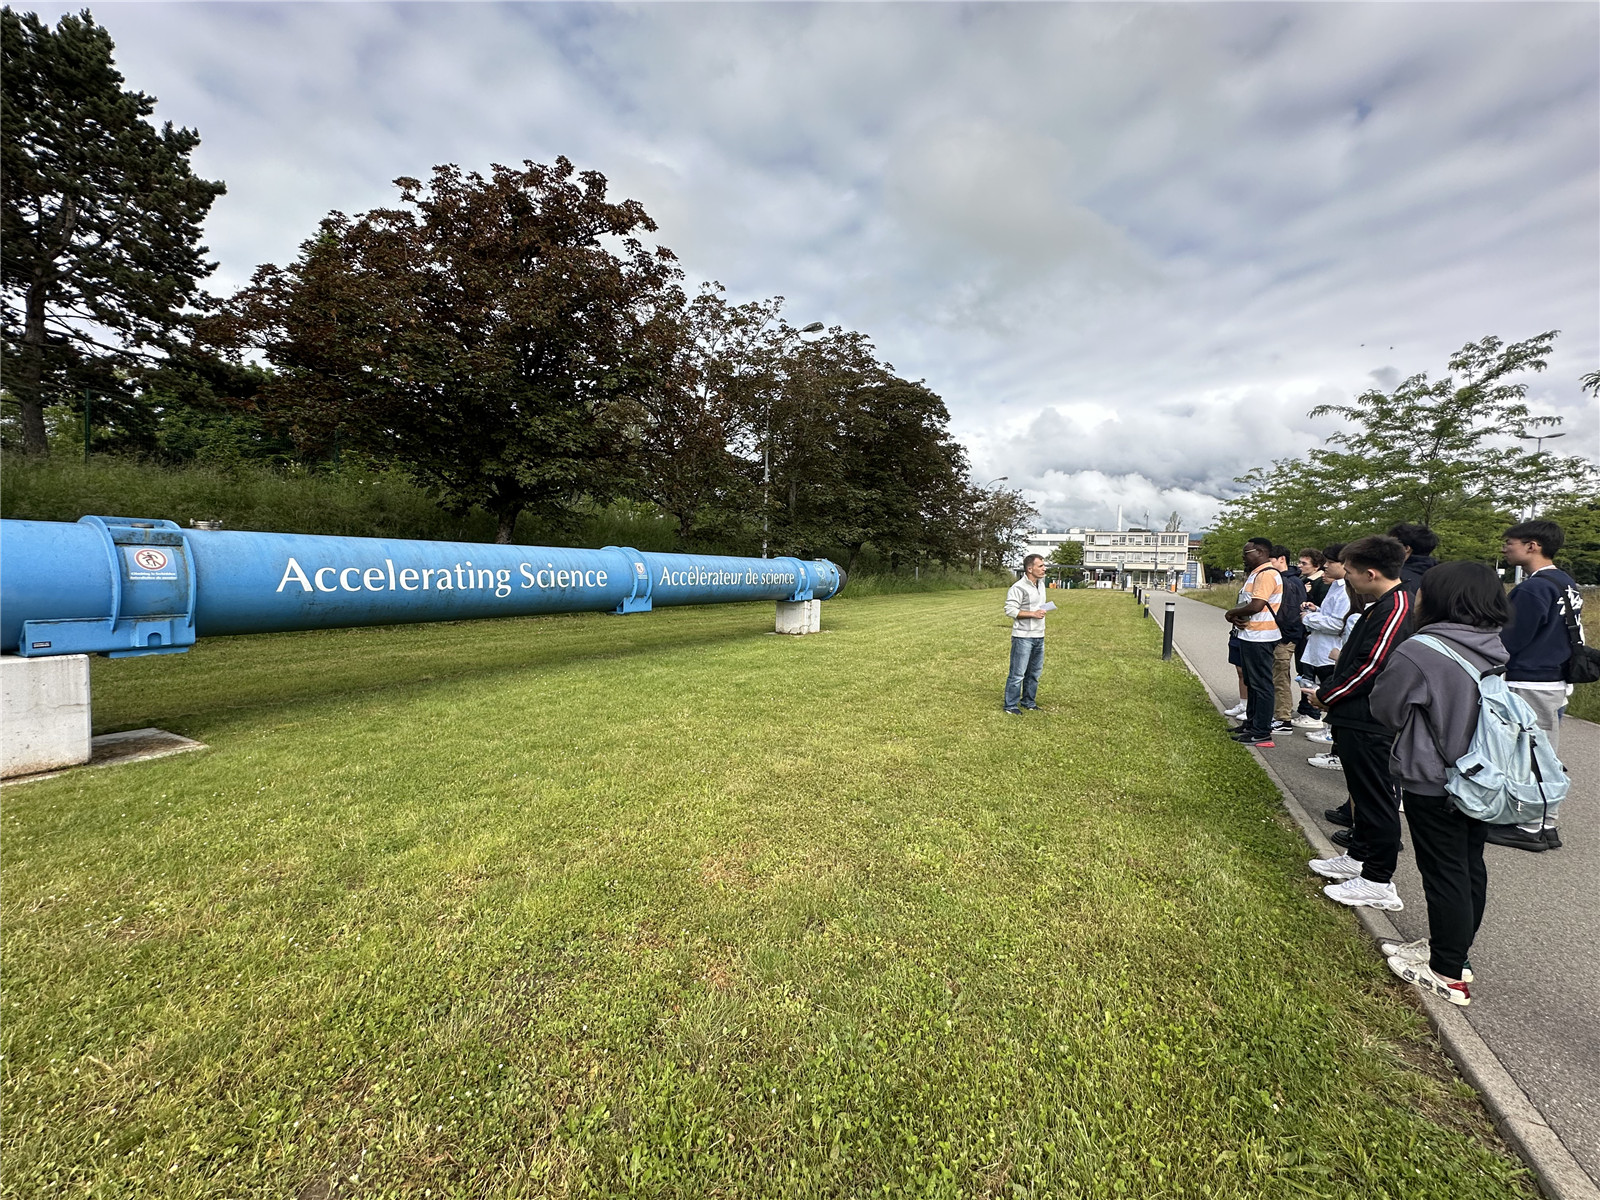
(799, 616)
(44, 711)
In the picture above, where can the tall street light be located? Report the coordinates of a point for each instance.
(983, 525)
(766, 456)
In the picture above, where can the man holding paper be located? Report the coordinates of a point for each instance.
(1026, 606)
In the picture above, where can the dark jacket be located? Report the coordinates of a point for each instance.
(1414, 568)
(1294, 595)
(1317, 589)
(1431, 704)
(1383, 626)
(1537, 638)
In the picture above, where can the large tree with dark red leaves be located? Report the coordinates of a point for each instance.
(495, 336)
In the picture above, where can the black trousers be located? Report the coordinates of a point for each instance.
(1255, 660)
(1448, 846)
(1374, 800)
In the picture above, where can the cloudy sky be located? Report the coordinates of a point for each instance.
(1131, 245)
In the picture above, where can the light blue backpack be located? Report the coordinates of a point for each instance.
(1509, 774)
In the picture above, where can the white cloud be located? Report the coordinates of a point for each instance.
(1130, 244)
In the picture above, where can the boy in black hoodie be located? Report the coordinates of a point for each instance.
(1364, 877)
(1420, 543)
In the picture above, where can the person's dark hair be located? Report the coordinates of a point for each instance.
(1377, 552)
(1315, 556)
(1264, 543)
(1547, 533)
(1281, 552)
(1467, 593)
(1333, 553)
(1419, 539)
(1031, 559)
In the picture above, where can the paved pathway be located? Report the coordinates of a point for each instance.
(1537, 957)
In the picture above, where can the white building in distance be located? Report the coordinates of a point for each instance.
(1123, 558)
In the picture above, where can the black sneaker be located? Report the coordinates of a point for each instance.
(1343, 837)
(1337, 816)
(1552, 838)
(1283, 727)
(1518, 839)
(1261, 742)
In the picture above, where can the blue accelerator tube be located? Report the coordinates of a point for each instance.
(128, 586)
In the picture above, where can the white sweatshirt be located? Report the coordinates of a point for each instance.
(1326, 626)
(1025, 595)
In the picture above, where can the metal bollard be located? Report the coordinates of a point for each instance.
(1166, 630)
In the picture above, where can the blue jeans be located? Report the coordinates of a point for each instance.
(1022, 684)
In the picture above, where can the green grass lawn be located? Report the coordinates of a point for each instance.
(666, 906)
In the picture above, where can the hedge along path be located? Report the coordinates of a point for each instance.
(669, 906)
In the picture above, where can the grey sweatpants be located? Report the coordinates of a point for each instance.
(1547, 709)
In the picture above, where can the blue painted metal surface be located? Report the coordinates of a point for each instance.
(128, 586)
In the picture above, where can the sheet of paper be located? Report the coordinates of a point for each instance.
(1049, 606)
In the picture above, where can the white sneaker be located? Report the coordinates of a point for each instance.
(1422, 975)
(1304, 722)
(1238, 710)
(1325, 736)
(1363, 893)
(1417, 952)
(1328, 762)
(1343, 867)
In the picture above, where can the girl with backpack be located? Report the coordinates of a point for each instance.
(1431, 704)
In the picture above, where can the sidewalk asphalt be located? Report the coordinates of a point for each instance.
(1537, 956)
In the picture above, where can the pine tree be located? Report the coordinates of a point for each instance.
(100, 248)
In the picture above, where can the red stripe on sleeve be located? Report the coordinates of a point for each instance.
(1380, 649)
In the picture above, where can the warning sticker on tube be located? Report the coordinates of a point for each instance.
(147, 562)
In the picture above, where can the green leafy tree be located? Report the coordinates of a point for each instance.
(1580, 553)
(100, 217)
(1442, 453)
(808, 407)
(697, 416)
(858, 455)
(1068, 554)
(495, 337)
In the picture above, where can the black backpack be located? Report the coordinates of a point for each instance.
(1583, 666)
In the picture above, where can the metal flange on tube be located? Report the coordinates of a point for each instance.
(125, 586)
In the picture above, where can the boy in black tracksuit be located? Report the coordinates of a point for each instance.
(1364, 876)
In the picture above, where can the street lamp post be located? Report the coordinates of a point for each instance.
(766, 458)
(983, 525)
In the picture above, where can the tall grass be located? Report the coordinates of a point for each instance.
(350, 503)
(357, 503)
(929, 579)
